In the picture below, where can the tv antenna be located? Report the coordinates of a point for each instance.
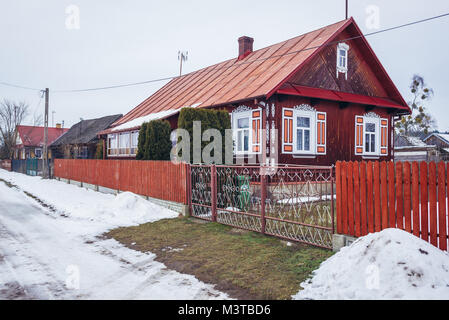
(182, 56)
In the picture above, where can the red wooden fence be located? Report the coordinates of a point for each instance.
(372, 196)
(157, 179)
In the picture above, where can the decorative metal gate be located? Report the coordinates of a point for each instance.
(291, 202)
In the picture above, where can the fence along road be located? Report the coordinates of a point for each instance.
(372, 196)
(290, 202)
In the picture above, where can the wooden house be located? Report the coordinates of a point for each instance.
(325, 92)
(30, 141)
(80, 141)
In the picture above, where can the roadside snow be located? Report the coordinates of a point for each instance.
(58, 252)
(391, 264)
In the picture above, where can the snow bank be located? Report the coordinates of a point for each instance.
(391, 264)
(107, 210)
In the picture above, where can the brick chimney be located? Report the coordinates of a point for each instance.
(245, 46)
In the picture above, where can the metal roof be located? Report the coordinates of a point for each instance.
(259, 75)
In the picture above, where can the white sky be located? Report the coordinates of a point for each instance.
(129, 41)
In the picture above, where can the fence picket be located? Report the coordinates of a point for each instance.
(442, 240)
(344, 201)
(415, 198)
(355, 167)
(350, 195)
(384, 189)
(399, 200)
(407, 198)
(433, 203)
(424, 202)
(339, 196)
(369, 196)
(391, 196)
(363, 212)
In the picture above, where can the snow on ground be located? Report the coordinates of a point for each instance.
(57, 252)
(391, 264)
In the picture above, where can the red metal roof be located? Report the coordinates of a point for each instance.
(32, 136)
(292, 89)
(258, 75)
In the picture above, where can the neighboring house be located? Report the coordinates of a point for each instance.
(412, 148)
(325, 92)
(441, 141)
(30, 141)
(80, 142)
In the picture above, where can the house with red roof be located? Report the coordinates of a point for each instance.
(30, 140)
(325, 93)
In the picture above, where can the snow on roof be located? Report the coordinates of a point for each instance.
(445, 136)
(416, 141)
(410, 153)
(391, 264)
(139, 121)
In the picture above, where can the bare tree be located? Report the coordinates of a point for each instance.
(12, 114)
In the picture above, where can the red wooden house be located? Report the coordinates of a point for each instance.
(325, 92)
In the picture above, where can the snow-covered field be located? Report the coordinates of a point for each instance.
(56, 253)
(391, 264)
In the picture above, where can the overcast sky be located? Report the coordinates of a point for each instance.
(130, 41)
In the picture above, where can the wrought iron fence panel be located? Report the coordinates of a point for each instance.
(291, 202)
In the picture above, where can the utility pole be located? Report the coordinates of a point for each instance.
(182, 56)
(45, 156)
(346, 9)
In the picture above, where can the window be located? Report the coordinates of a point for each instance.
(243, 134)
(112, 144)
(304, 131)
(38, 153)
(124, 143)
(246, 126)
(371, 135)
(84, 154)
(342, 59)
(134, 142)
(303, 134)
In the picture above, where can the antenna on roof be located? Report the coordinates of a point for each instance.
(182, 56)
(346, 9)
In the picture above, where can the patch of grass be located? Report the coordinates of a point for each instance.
(246, 265)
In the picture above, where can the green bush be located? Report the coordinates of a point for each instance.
(154, 141)
(210, 119)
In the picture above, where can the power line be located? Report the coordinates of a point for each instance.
(235, 65)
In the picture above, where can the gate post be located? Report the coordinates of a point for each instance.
(213, 193)
(263, 197)
(332, 199)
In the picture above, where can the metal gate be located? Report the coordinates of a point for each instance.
(290, 202)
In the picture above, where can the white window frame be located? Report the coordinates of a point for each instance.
(113, 149)
(376, 122)
(35, 152)
(312, 138)
(134, 142)
(235, 118)
(342, 68)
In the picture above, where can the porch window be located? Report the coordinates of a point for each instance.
(124, 143)
(112, 144)
(134, 142)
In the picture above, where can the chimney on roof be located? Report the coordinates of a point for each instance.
(58, 125)
(245, 46)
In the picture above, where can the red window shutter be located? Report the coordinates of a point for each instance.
(287, 130)
(384, 137)
(256, 128)
(321, 133)
(358, 135)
